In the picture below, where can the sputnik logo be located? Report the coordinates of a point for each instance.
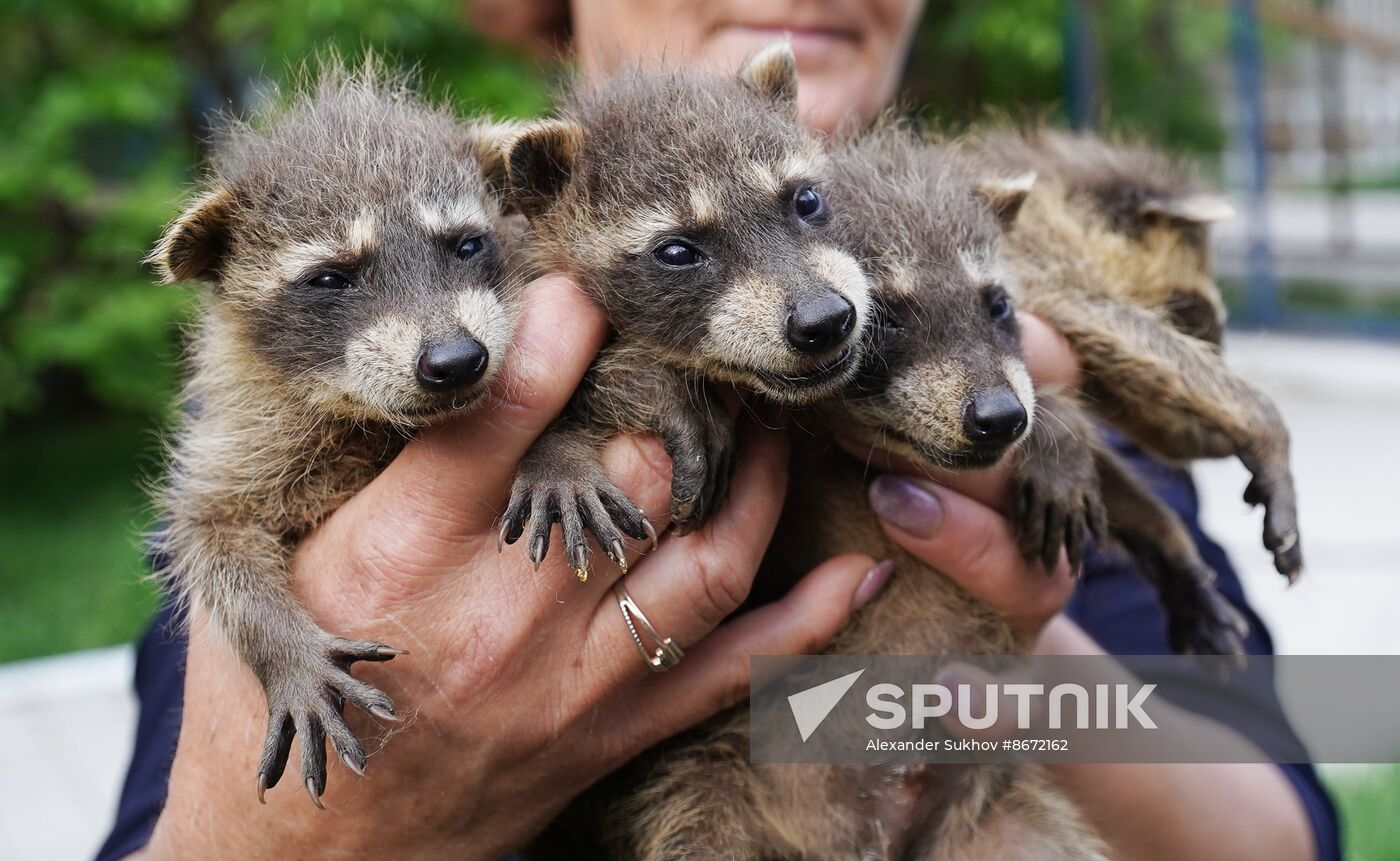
(810, 707)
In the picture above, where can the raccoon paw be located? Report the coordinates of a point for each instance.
(1053, 511)
(583, 500)
(702, 446)
(1200, 620)
(1280, 522)
(309, 699)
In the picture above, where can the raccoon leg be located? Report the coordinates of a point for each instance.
(1173, 394)
(627, 391)
(1199, 619)
(240, 575)
(1055, 501)
(562, 480)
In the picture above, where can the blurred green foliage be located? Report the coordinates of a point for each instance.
(71, 517)
(104, 107)
(104, 104)
(1154, 61)
(1367, 798)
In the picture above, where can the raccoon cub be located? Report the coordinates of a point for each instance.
(692, 209)
(944, 384)
(1113, 253)
(357, 291)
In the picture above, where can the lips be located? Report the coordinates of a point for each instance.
(957, 461)
(797, 31)
(443, 405)
(817, 376)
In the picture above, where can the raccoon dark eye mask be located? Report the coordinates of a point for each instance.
(337, 321)
(708, 244)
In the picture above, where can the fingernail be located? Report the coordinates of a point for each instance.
(907, 504)
(871, 584)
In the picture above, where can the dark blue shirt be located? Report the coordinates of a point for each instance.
(1113, 604)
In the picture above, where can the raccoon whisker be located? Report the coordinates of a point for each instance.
(1069, 431)
(870, 454)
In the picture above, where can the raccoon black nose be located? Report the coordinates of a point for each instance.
(994, 417)
(447, 365)
(817, 325)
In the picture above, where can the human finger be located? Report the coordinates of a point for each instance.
(973, 545)
(692, 583)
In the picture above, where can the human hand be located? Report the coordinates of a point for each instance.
(520, 688)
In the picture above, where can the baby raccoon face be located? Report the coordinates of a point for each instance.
(694, 210)
(352, 247)
(946, 384)
(400, 316)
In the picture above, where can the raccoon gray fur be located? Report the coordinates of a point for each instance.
(944, 384)
(1199, 619)
(1112, 252)
(690, 207)
(1134, 190)
(357, 291)
(928, 231)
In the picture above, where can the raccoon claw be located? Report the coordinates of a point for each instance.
(583, 503)
(1288, 558)
(539, 546)
(618, 554)
(578, 558)
(343, 653)
(309, 701)
(314, 792)
(1046, 526)
(1216, 633)
(1280, 523)
(702, 453)
(357, 766)
(1200, 620)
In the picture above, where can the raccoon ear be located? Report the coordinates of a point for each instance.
(539, 161)
(488, 141)
(1193, 208)
(193, 245)
(1005, 195)
(772, 72)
